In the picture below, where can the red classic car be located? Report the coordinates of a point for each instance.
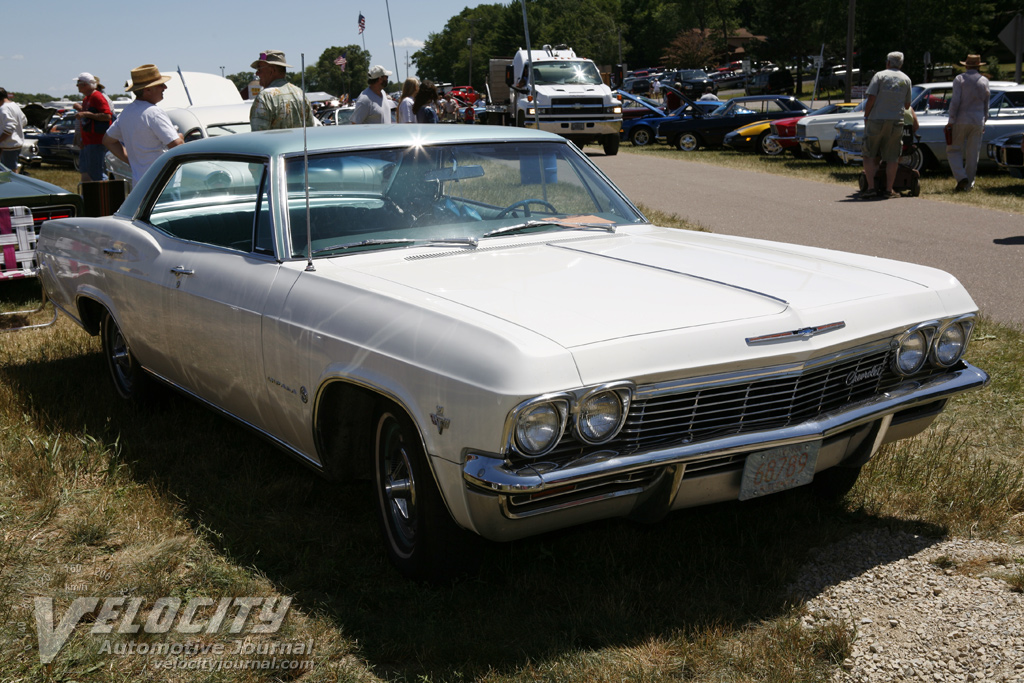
(784, 130)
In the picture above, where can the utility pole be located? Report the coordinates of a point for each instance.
(469, 43)
(848, 81)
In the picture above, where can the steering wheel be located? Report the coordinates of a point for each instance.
(525, 204)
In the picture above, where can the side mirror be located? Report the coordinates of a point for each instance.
(509, 76)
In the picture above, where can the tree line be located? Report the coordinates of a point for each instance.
(695, 33)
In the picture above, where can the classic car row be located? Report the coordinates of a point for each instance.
(465, 316)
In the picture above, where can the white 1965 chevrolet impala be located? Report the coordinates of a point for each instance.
(478, 320)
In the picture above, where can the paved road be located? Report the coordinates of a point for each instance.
(983, 248)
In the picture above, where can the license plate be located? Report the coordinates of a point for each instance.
(575, 126)
(778, 469)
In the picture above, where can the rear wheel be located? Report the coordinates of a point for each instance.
(423, 542)
(130, 380)
(914, 160)
(687, 142)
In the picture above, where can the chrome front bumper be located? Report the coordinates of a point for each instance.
(507, 503)
(809, 144)
(849, 156)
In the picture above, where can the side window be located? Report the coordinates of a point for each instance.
(221, 202)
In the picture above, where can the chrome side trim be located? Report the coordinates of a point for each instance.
(490, 473)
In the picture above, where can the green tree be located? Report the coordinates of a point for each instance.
(327, 76)
(242, 79)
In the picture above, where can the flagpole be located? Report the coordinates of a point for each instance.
(393, 53)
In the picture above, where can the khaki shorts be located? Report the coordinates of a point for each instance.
(885, 140)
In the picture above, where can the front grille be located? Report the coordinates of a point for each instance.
(771, 403)
(801, 130)
(713, 410)
(584, 106)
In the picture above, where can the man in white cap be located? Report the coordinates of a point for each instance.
(280, 104)
(143, 131)
(94, 118)
(373, 104)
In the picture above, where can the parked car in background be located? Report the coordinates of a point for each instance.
(783, 131)
(817, 136)
(694, 82)
(57, 145)
(45, 199)
(773, 82)
(1006, 115)
(465, 93)
(640, 124)
(728, 80)
(393, 319)
(333, 116)
(710, 130)
(1007, 151)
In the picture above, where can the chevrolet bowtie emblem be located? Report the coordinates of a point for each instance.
(802, 333)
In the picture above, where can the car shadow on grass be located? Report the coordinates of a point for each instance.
(607, 584)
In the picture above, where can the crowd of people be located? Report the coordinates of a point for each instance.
(143, 131)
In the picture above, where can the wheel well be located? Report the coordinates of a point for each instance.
(91, 314)
(345, 426)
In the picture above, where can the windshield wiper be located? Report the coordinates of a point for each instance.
(364, 243)
(607, 227)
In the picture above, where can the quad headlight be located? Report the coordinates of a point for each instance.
(539, 425)
(597, 414)
(941, 342)
(600, 414)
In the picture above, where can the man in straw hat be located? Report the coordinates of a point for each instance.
(143, 131)
(968, 111)
(373, 104)
(279, 104)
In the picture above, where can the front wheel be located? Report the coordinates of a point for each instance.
(914, 160)
(768, 146)
(130, 380)
(641, 136)
(422, 540)
(687, 142)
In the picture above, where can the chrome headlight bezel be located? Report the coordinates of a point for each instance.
(571, 409)
(518, 438)
(962, 327)
(929, 338)
(620, 396)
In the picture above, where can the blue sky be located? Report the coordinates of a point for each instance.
(44, 51)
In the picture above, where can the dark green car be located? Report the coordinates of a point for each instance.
(46, 200)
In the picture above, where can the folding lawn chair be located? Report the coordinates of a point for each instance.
(18, 257)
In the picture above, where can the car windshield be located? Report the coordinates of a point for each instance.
(692, 74)
(452, 194)
(566, 72)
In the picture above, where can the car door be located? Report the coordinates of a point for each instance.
(220, 259)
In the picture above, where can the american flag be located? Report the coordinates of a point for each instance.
(341, 61)
(362, 22)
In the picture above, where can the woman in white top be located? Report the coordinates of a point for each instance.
(409, 89)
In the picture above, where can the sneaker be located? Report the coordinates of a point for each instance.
(869, 193)
(887, 194)
(962, 185)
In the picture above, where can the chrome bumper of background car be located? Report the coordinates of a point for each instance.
(809, 144)
(507, 503)
(570, 127)
(848, 156)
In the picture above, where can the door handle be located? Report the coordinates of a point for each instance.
(113, 251)
(181, 270)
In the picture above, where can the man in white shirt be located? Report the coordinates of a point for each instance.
(12, 131)
(143, 131)
(373, 105)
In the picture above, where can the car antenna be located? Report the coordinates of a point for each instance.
(305, 169)
(185, 86)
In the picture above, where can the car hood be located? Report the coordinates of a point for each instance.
(579, 291)
(14, 185)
